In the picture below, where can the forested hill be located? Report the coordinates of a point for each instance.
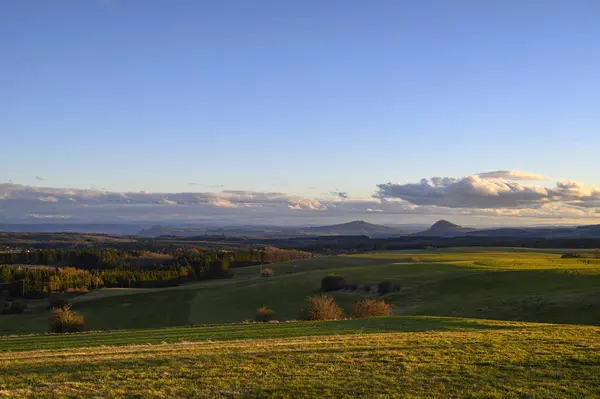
(354, 228)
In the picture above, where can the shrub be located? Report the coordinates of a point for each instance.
(264, 314)
(333, 282)
(370, 308)
(571, 255)
(267, 272)
(385, 287)
(65, 320)
(322, 307)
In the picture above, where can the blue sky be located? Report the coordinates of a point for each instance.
(303, 97)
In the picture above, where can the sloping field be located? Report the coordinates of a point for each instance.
(452, 358)
(248, 331)
(498, 284)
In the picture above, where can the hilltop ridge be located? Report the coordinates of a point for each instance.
(444, 228)
(356, 227)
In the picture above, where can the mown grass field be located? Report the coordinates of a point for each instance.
(482, 283)
(416, 354)
(414, 357)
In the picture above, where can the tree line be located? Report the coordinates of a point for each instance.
(44, 271)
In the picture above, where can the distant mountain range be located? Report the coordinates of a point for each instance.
(252, 231)
(356, 228)
(93, 228)
(442, 228)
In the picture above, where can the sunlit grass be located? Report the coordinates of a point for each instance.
(492, 284)
(495, 360)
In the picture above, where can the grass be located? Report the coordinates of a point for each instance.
(500, 284)
(414, 357)
(424, 351)
(248, 331)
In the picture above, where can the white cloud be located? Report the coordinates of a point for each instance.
(511, 175)
(306, 204)
(223, 203)
(476, 192)
(440, 197)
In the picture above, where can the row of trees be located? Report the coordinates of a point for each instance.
(111, 257)
(95, 268)
(83, 258)
(23, 281)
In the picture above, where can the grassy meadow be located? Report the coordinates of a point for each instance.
(467, 323)
(490, 284)
(414, 357)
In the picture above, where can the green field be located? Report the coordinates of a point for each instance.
(507, 285)
(384, 357)
(463, 328)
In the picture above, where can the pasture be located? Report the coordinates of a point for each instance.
(501, 284)
(414, 357)
(464, 325)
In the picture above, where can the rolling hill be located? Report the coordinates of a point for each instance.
(391, 357)
(355, 228)
(444, 228)
(498, 284)
(441, 342)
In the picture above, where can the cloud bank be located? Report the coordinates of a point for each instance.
(497, 194)
(478, 192)
(511, 175)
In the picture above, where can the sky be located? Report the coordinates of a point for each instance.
(325, 110)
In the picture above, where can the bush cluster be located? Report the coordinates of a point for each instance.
(264, 314)
(570, 255)
(322, 307)
(333, 282)
(64, 320)
(370, 308)
(267, 272)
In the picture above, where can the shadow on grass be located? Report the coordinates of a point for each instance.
(246, 332)
(416, 324)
